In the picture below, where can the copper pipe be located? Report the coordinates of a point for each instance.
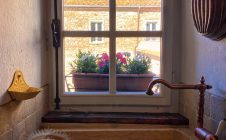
(201, 87)
(167, 84)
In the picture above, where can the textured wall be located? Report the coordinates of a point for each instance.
(23, 47)
(202, 57)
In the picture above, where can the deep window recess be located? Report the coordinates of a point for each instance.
(125, 57)
(124, 63)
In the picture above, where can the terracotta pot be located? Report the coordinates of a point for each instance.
(100, 82)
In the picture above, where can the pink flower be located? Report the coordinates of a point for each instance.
(105, 56)
(119, 55)
(101, 64)
(123, 60)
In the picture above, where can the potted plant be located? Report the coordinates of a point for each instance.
(91, 73)
(136, 76)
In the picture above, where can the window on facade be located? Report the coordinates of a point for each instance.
(151, 26)
(125, 62)
(96, 26)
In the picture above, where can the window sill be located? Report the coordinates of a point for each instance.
(116, 117)
(106, 93)
(121, 98)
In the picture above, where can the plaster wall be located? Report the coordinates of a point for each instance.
(22, 47)
(201, 56)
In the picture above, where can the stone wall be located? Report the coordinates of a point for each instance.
(21, 118)
(215, 109)
(125, 21)
(23, 47)
(118, 2)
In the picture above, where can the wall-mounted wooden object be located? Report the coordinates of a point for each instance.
(210, 18)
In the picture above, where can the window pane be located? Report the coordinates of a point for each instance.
(133, 15)
(83, 63)
(93, 39)
(99, 38)
(79, 13)
(148, 27)
(138, 61)
(99, 26)
(154, 26)
(93, 26)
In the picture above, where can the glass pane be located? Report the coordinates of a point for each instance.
(132, 15)
(99, 26)
(138, 62)
(78, 14)
(86, 65)
(93, 26)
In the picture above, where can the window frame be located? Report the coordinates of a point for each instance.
(96, 41)
(112, 98)
(151, 22)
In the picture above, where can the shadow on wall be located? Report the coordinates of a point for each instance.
(12, 115)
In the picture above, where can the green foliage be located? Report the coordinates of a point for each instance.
(84, 63)
(88, 63)
(138, 65)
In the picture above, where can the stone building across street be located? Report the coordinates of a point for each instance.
(131, 15)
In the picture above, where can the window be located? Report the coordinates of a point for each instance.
(151, 26)
(120, 60)
(96, 26)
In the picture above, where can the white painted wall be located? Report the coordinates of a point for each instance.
(23, 47)
(202, 56)
(22, 43)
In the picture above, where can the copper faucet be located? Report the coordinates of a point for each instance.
(201, 87)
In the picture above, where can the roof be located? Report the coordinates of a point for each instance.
(118, 2)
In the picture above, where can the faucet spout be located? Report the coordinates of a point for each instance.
(201, 87)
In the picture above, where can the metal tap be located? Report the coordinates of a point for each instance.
(201, 87)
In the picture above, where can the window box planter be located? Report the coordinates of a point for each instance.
(100, 82)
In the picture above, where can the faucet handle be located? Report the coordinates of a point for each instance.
(202, 81)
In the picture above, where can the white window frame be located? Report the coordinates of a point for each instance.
(112, 98)
(96, 41)
(145, 26)
(151, 23)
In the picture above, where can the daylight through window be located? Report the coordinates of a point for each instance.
(111, 46)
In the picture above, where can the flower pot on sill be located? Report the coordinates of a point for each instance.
(100, 82)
